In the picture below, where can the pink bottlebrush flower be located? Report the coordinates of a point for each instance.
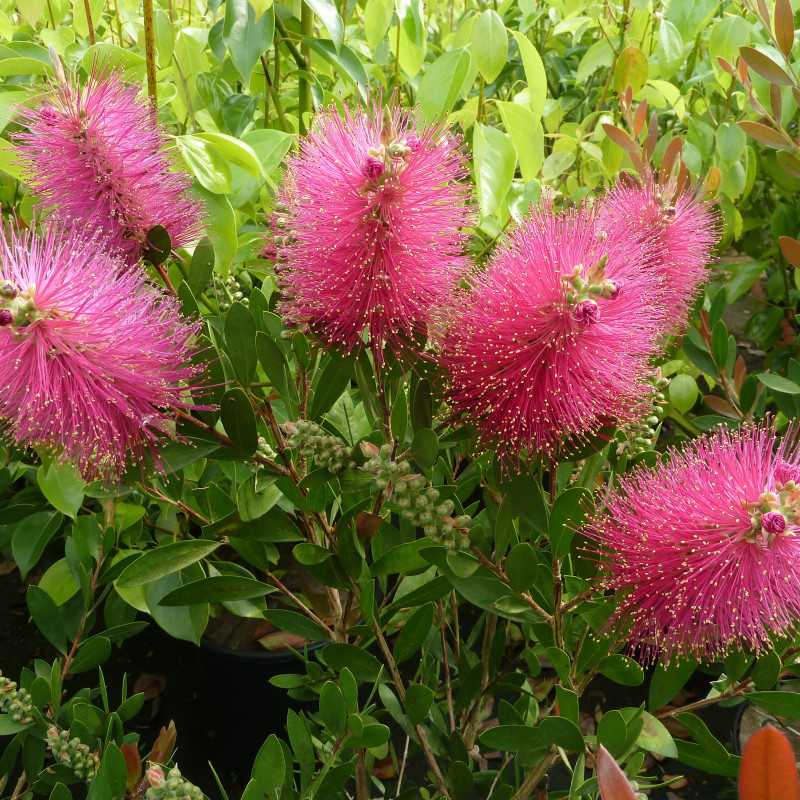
(369, 222)
(95, 156)
(91, 354)
(552, 340)
(679, 233)
(704, 548)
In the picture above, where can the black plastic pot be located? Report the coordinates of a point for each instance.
(240, 708)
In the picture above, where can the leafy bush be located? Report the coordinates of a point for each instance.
(451, 348)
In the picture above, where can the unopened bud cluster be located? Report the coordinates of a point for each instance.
(15, 702)
(72, 753)
(315, 444)
(172, 786)
(17, 308)
(581, 291)
(232, 289)
(641, 436)
(265, 449)
(415, 499)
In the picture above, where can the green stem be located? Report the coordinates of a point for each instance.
(304, 89)
(149, 51)
(89, 23)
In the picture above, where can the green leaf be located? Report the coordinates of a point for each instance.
(112, 776)
(557, 164)
(334, 379)
(782, 704)
(165, 560)
(425, 447)
(441, 84)
(270, 145)
(245, 37)
(47, 617)
(239, 421)
(413, 633)
(683, 392)
(220, 227)
(566, 517)
(402, 558)
(329, 15)
(667, 681)
(562, 732)
(62, 486)
(418, 702)
(181, 622)
(377, 18)
(269, 767)
(274, 363)
(8, 727)
(201, 266)
(345, 60)
(622, 670)
(298, 624)
(731, 142)
(778, 383)
(207, 165)
(521, 566)
(495, 162)
(363, 665)
(534, 74)
(30, 537)
(59, 582)
(631, 70)
(527, 135)
(216, 589)
(332, 708)
(655, 738)
(240, 340)
(489, 44)
(91, 654)
(513, 738)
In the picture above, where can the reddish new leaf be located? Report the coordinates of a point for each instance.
(613, 782)
(765, 66)
(768, 770)
(133, 762)
(790, 249)
(764, 134)
(784, 26)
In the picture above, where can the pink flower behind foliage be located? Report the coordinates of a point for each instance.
(704, 549)
(370, 236)
(91, 354)
(552, 340)
(95, 156)
(679, 233)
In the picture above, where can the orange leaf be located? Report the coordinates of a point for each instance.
(768, 770)
(613, 782)
(784, 26)
(765, 66)
(670, 156)
(790, 249)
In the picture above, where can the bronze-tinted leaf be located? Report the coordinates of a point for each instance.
(739, 373)
(713, 180)
(764, 134)
(789, 162)
(639, 119)
(614, 784)
(765, 66)
(720, 405)
(784, 26)
(791, 250)
(670, 156)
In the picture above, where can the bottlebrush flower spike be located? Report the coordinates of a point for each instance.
(679, 233)
(95, 156)
(704, 549)
(552, 341)
(91, 354)
(369, 228)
